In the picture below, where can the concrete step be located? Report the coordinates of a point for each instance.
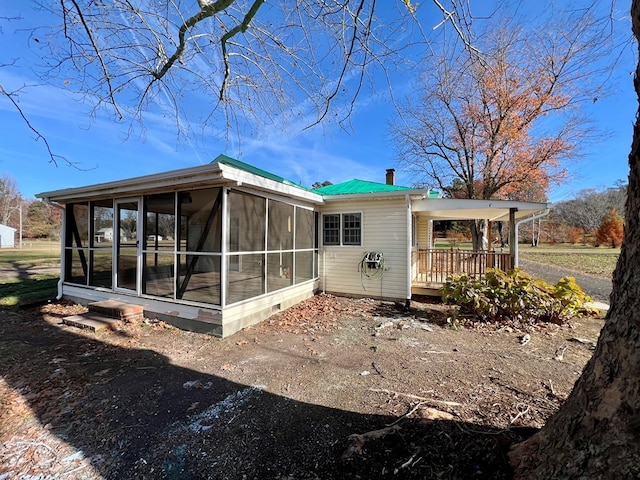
(92, 321)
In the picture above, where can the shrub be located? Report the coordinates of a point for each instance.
(516, 296)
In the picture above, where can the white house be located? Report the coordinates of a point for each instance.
(105, 234)
(241, 243)
(7, 236)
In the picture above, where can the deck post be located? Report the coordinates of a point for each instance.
(513, 239)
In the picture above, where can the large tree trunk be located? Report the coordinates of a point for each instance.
(478, 228)
(596, 433)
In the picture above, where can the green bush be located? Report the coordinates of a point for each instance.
(504, 296)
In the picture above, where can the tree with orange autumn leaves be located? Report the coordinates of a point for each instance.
(611, 230)
(500, 121)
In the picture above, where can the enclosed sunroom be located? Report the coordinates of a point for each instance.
(212, 248)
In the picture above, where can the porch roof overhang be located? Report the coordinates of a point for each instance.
(209, 175)
(465, 209)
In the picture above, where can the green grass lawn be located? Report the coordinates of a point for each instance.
(21, 279)
(21, 292)
(595, 261)
(581, 258)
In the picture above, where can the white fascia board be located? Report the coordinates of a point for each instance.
(171, 180)
(201, 176)
(466, 209)
(256, 181)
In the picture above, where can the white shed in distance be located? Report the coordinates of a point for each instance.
(7, 237)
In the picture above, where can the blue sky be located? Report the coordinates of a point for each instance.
(102, 152)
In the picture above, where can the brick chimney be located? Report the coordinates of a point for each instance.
(391, 176)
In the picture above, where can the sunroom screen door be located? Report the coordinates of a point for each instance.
(127, 263)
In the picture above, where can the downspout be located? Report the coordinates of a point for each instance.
(516, 259)
(63, 211)
(407, 304)
(324, 271)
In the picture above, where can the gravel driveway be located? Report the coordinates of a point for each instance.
(599, 288)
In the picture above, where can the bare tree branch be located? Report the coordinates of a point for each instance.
(207, 10)
(455, 18)
(307, 54)
(349, 54)
(98, 53)
(53, 158)
(240, 28)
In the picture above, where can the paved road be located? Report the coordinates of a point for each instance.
(598, 288)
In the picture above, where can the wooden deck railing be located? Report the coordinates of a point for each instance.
(435, 266)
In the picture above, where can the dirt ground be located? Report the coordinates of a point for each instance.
(333, 388)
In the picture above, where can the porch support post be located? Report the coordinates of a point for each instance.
(224, 250)
(513, 238)
(63, 250)
(407, 304)
(429, 243)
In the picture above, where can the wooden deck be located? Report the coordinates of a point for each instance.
(432, 268)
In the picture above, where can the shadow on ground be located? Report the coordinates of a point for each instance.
(132, 414)
(26, 270)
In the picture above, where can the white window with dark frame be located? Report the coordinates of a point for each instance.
(342, 229)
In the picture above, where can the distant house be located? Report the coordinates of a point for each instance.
(106, 235)
(7, 237)
(219, 247)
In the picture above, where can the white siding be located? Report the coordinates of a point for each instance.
(384, 230)
(7, 236)
(423, 232)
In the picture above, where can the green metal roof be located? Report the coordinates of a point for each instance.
(232, 162)
(354, 186)
(358, 186)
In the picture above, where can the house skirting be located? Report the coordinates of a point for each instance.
(220, 322)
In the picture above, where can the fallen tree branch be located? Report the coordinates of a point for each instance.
(375, 367)
(585, 341)
(520, 413)
(410, 412)
(550, 387)
(357, 441)
(416, 397)
(409, 463)
(559, 355)
(522, 392)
